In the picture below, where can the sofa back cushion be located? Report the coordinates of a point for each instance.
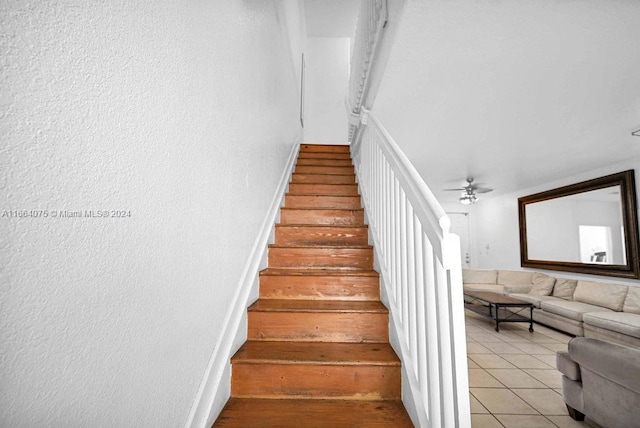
(632, 301)
(564, 288)
(479, 276)
(601, 294)
(514, 277)
(542, 284)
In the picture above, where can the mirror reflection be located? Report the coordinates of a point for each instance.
(585, 227)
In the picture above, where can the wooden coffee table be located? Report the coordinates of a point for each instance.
(495, 306)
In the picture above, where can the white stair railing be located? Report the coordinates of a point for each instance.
(372, 17)
(420, 267)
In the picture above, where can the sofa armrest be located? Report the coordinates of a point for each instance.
(617, 363)
(521, 289)
(567, 366)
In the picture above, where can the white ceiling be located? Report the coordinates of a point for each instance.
(515, 94)
(331, 18)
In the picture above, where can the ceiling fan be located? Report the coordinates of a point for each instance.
(469, 192)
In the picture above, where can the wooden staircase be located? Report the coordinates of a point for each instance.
(318, 352)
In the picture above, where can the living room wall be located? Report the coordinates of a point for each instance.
(495, 229)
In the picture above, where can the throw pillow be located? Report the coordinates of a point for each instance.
(542, 284)
(632, 301)
(479, 276)
(564, 288)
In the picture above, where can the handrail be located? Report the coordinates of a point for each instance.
(421, 273)
(372, 18)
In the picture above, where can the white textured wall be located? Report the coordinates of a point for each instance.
(183, 113)
(326, 82)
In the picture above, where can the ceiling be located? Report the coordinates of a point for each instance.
(331, 18)
(515, 94)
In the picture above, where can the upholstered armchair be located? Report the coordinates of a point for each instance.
(602, 381)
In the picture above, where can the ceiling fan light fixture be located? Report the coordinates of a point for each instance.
(468, 198)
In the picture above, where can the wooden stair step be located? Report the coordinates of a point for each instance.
(314, 189)
(321, 284)
(320, 353)
(318, 370)
(323, 178)
(336, 257)
(324, 155)
(247, 412)
(327, 216)
(324, 162)
(322, 201)
(318, 321)
(325, 148)
(321, 235)
(315, 169)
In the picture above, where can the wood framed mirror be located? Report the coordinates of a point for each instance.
(589, 227)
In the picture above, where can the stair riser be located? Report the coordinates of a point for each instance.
(323, 189)
(352, 327)
(323, 179)
(321, 258)
(321, 235)
(311, 169)
(297, 287)
(323, 148)
(324, 155)
(324, 162)
(316, 381)
(322, 202)
(322, 216)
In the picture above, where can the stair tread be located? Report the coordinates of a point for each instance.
(280, 305)
(244, 412)
(315, 247)
(327, 226)
(318, 272)
(329, 353)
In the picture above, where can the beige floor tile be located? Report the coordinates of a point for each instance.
(557, 347)
(485, 421)
(524, 361)
(485, 337)
(514, 337)
(516, 378)
(546, 401)
(473, 365)
(476, 406)
(567, 422)
(502, 401)
(476, 348)
(533, 349)
(503, 348)
(551, 378)
(525, 421)
(491, 361)
(542, 338)
(549, 359)
(479, 378)
(476, 329)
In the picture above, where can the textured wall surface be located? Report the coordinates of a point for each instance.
(327, 80)
(182, 113)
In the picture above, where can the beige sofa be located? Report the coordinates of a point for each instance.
(602, 381)
(582, 308)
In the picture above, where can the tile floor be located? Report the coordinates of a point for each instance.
(513, 381)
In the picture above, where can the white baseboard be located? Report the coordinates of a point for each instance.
(215, 388)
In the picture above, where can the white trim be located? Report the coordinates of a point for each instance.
(210, 398)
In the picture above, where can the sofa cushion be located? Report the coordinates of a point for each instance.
(479, 276)
(494, 288)
(572, 310)
(532, 298)
(564, 288)
(601, 294)
(514, 277)
(632, 301)
(542, 284)
(622, 322)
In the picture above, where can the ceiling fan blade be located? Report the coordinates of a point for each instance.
(482, 190)
(460, 189)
